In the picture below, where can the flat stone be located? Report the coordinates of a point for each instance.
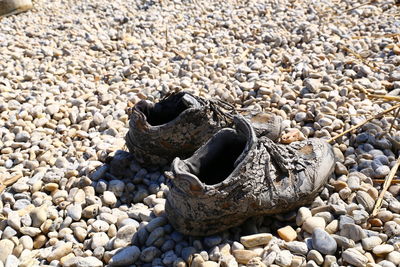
(83, 262)
(244, 256)
(369, 243)
(287, 233)
(6, 248)
(315, 256)
(126, 256)
(353, 231)
(124, 236)
(312, 223)
(323, 242)
(354, 257)
(284, 258)
(255, 240)
(31, 231)
(60, 252)
(297, 247)
(365, 200)
(382, 250)
(394, 257)
(11, 261)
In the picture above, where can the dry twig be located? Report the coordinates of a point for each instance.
(364, 122)
(387, 183)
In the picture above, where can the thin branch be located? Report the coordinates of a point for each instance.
(388, 181)
(364, 122)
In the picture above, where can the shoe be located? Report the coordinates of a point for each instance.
(11, 7)
(180, 123)
(236, 175)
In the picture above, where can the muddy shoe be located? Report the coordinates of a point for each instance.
(11, 7)
(174, 127)
(179, 124)
(236, 175)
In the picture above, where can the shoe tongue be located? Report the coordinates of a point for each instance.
(190, 101)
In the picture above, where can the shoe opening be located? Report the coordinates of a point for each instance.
(217, 160)
(166, 110)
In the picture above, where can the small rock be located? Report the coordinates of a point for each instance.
(60, 252)
(6, 248)
(382, 250)
(366, 200)
(287, 233)
(212, 241)
(150, 253)
(394, 257)
(109, 198)
(255, 240)
(39, 216)
(369, 243)
(99, 240)
(124, 236)
(83, 262)
(244, 256)
(323, 242)
(75, 212)
(12, 261)
(302, 215)
(284, 258)
(315, 256)
(297, 247)
(312, 223)
(125, 257)
(354, 257)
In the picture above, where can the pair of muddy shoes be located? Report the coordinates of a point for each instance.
(225, 167)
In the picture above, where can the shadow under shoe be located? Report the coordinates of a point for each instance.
(179, 124)
(235, 176)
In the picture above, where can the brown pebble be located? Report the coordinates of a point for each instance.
(39, 241)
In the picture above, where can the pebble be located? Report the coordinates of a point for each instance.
(284, 258)
(6, 248)
(149, 253)
(83, 262)
(302, 215)
(315, 256)
(125, 256)
(12, 261)
(124, 236)
(75, 212)
(59, 252)
(369, 243)
(39, 216)
(382, 250)
(354, 257)
(255, 240)
(287, 233)
(312, 223)
(366, 200)
(297, 247)
(244, 256)
(323, 242)
(99, 240)
(109, 198)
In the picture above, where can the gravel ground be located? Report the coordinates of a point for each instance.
(69, 71)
